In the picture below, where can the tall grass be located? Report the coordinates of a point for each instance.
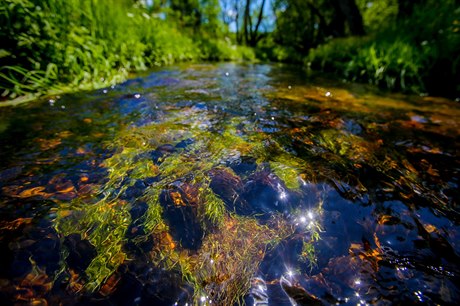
(55, 45)
(419, 54)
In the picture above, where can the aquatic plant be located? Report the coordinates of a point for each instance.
(104, 225)
(177, 161)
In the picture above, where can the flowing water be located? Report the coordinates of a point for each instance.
(223, 184)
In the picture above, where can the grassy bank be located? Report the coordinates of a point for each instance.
(51, 46)
(420, 54)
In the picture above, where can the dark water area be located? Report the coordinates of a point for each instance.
(226, 183)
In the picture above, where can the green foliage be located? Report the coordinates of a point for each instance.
(378, 13)
(51, 46)
(410, 55)
(224, 50)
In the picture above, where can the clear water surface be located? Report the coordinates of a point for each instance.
(228, 183)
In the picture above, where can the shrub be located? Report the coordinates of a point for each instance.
(418, 54)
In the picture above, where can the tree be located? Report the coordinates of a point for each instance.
(350, 10)
(252, 19)
(187, 12)
(304, 24)
(406, 7)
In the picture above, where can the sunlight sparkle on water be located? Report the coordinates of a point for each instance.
(283, 195)
(304, 183)
(290, 273)
(419, 295)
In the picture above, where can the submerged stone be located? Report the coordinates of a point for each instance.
(81, 252)
(181, 216)
(227, 185)
(266, 194)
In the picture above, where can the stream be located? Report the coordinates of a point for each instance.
(223, 184)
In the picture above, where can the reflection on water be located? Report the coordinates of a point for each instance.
(222, 184)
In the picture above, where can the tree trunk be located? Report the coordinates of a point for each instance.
(255, 33)
(406, 7)
(246, 21)
(353, 16)
(237, 23)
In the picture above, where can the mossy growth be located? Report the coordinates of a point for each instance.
(346, 145)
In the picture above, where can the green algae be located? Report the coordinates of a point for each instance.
(104, 225)
(187, 151)
(288, 168)
(223, 267)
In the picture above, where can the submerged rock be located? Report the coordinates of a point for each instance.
(264, 193)
(81, 252)
(180, 213)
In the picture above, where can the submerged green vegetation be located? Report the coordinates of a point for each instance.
(185, 162)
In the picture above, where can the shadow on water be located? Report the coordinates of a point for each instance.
(224, 184)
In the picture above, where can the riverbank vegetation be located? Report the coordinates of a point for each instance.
(403, 45)
(53, 46)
